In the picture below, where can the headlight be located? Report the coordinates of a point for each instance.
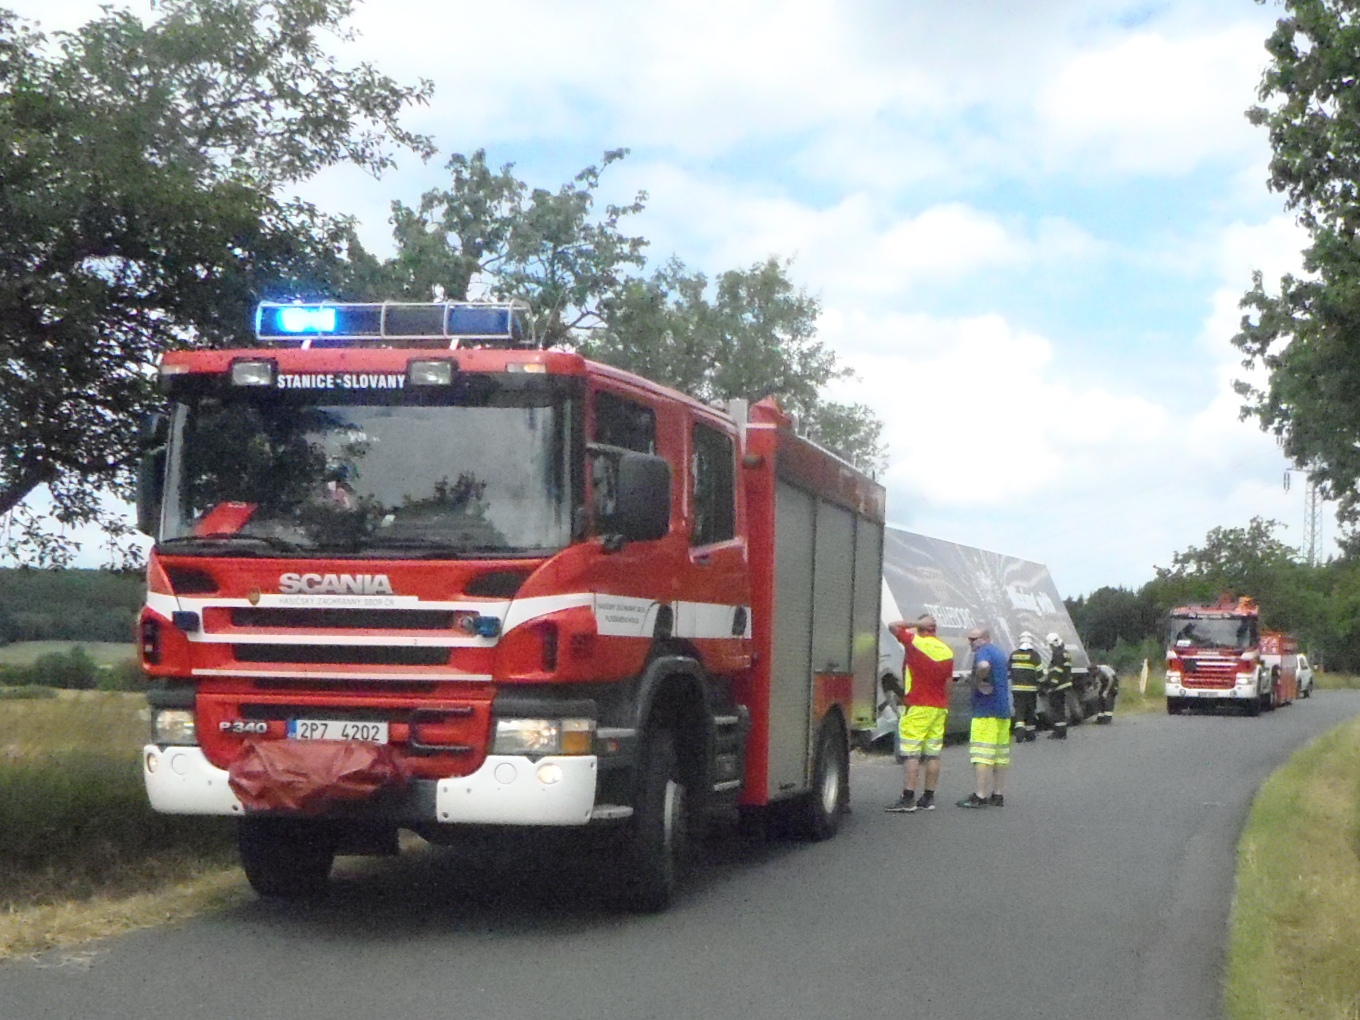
(544, 736)
(173, 726)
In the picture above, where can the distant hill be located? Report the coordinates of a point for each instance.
(69, 605)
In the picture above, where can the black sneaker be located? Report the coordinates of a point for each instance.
(905, 806)
(996, 800)
(973, 801)
(927, 802)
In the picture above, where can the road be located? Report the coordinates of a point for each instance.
(1101, 889)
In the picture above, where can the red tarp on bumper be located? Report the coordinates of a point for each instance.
(307, 775)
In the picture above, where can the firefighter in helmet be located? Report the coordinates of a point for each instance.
(1057, 686)
(1025, 664)
(1107, 686)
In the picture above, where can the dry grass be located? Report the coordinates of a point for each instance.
(27, 927)
(1293, 950)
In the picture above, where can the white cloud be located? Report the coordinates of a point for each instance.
(980, 390)
(1152, 104)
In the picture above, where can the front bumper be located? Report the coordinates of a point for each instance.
(1240, 692)
(506, 790)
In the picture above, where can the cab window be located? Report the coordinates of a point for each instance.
(624, 423)
(714, 480)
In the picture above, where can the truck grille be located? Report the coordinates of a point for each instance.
(359, 655)
(343, 619)
(1209, 671)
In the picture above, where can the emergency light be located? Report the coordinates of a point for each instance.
(451, 322)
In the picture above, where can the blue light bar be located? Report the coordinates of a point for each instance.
(306, 319)
(452, 322)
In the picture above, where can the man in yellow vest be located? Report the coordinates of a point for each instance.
(927, 670)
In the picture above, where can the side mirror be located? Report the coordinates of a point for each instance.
(643, 510)
(150, 491)
(153, 430)
(152, 435)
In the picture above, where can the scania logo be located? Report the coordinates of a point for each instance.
(335, 584)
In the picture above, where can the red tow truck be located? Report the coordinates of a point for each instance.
(412, 571)
(1218, 653)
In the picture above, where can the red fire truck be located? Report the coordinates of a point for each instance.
(412, 571)
(1219, 654)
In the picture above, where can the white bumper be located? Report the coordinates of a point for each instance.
(506, 790)
(1245, 690)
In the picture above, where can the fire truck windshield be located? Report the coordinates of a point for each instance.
(1236, 632)
(480, 471)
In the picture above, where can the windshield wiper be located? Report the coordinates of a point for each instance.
(427, 548)
(229, 543)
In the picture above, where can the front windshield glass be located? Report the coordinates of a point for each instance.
(479, 469)
(1217, 632)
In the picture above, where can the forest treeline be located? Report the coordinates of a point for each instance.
(69, 605)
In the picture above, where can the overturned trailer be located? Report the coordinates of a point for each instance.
(964, 587)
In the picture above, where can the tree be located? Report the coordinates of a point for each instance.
(140, 176)
(1111, 615)
(1307, 335)
(748, 334)
(489, 229)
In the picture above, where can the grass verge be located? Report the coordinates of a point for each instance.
(1292, 948)
(84, 854)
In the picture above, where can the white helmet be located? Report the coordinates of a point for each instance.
(1053, 639)
(1026, 642)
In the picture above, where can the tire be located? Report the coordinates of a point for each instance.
(659, 834)
(285, 858)
(1174, 706)
(1252, 707)
(820, 811)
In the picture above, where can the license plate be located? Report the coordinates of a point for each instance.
(337, 729)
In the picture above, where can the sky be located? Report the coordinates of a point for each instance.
(1028, 225)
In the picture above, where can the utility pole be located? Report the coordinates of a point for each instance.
(1312, 523)
(1312, 519)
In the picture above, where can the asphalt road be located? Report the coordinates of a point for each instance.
(1101, 889)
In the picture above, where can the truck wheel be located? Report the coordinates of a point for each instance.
(285, 858)
(1174, 706)
(1252, 707)
(660, 833)
(821, 809)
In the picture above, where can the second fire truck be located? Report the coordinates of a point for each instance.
(1218, 654)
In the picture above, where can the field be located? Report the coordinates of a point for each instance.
(106, 653)
(84, 854)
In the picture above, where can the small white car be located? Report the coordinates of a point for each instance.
(1305, 675)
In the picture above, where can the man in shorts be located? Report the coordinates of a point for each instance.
(927, 670)
(989, 737)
